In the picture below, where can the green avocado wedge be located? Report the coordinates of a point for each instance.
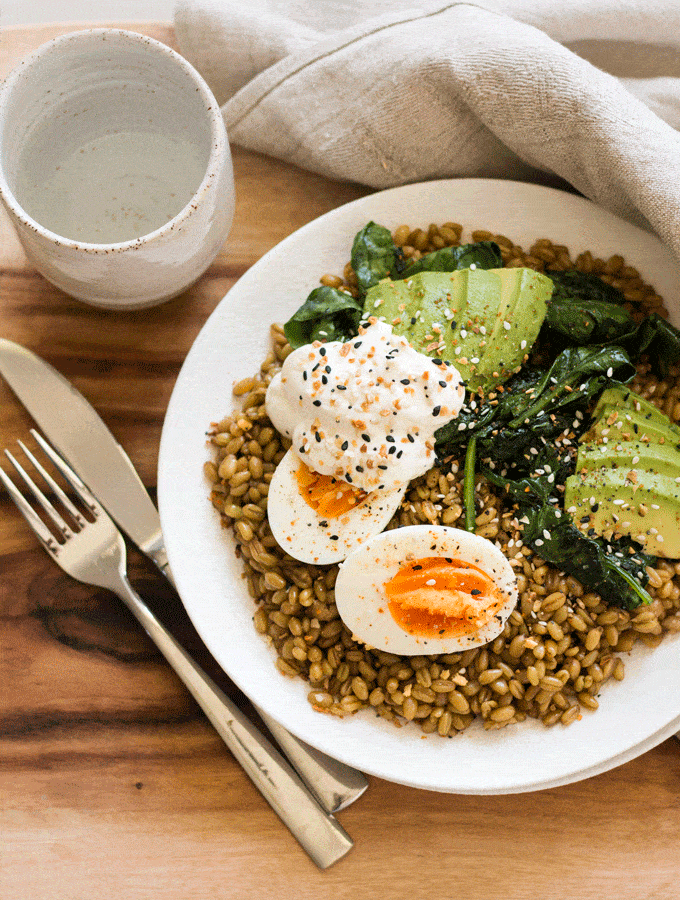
(627, 481)
(636, 407)
(483, 321)
(647, 510)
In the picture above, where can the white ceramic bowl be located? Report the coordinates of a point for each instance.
(114, 167)
(634, 714)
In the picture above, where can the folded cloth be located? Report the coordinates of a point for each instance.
(587, 91)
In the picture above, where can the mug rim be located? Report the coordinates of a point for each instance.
(218, 138)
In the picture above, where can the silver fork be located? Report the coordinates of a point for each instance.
(94, 552)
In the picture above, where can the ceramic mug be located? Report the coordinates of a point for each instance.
(115, 167)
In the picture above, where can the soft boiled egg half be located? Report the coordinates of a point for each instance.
(426, 589)
(319, 519)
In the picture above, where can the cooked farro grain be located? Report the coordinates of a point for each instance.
(560, 644)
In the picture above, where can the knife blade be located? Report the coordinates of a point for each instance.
(75, 428)
(80, 435)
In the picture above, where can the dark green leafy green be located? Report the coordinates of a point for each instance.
(584, 310)
(615, 571)
(326, 315)
(469, 484)
(375, 256)
(483, 255)
(659, 340)
(580, 371)
(582, 287)
(535, 404)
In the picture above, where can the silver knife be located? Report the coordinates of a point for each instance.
(86, 443)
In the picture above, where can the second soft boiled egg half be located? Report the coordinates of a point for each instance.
(426, 589)
(319, 519)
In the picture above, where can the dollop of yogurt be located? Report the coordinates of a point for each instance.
(366, 410)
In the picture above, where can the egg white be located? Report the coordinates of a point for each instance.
(311, 538)
(362, 602)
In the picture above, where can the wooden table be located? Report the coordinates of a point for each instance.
(113, 785)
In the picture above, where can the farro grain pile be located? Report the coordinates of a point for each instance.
(559, 645)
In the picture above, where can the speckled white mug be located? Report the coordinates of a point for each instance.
(115, 167)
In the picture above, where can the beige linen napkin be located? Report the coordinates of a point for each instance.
(587, 91)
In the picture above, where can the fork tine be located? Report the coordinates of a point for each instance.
(41, 530)
(53, 485)
(40, 497)
(78, 486)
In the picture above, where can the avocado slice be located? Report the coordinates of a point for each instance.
(627, 479)
(647, 511)
(483, 321)
(619, 424)
(642, 411)
(629, 456)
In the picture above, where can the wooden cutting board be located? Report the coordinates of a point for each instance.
(112, 784)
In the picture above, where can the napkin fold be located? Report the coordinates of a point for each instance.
(584, 91)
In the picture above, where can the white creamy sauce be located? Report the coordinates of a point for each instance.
(365, 411)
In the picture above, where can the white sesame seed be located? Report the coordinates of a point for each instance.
(507, 326)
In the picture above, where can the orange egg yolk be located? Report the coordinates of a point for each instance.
(442, 597)
(327, 496)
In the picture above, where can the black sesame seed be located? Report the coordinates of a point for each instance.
(436, 410)
(453, 324)
(366, 437)
(442, 384)
(438, 362)
(304, 375)
(314, 368)
(416, 568)
(317, 437)
(406, 381)
(358, 344)
(334, 537)
(411, 438)
(341, 387)
(359, 468)
(345, 445)
(399, 455)
(474, 592)
(324, 380)
(322, 351)
(389, 438)
(316, 402)
(392, 450)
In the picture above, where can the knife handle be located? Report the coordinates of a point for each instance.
(318, 832)
(334, 784)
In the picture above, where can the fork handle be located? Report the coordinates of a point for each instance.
(319, 833)
(334, 784)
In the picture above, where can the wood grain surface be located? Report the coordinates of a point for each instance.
(113, 785)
